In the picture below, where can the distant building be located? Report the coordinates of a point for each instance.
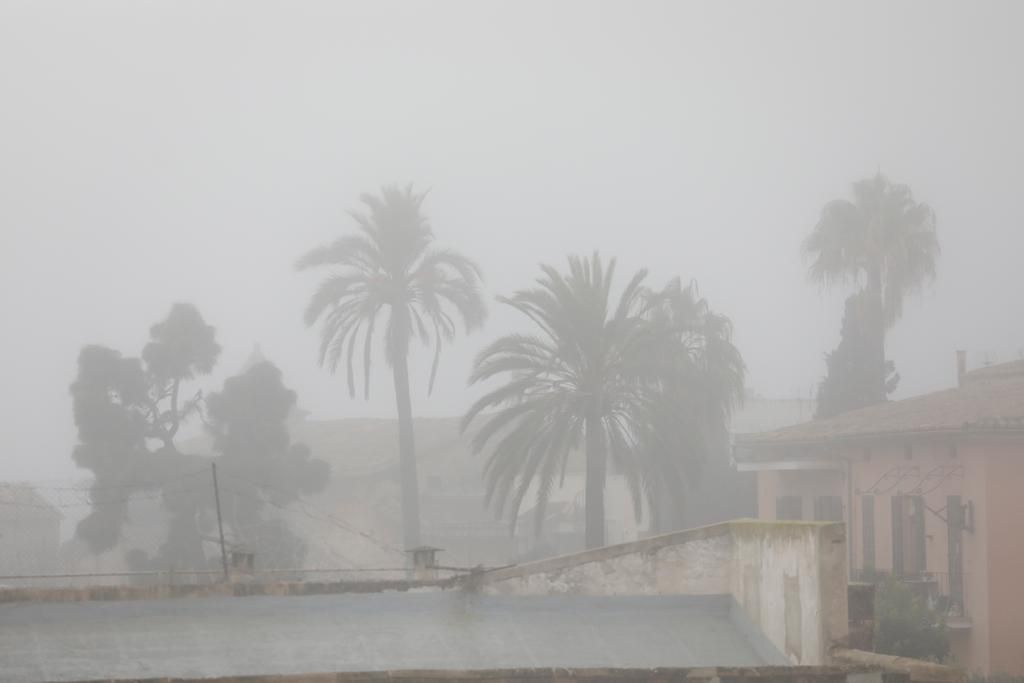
(931, 490)
(364, 491)
(29, 532)
(721, 492)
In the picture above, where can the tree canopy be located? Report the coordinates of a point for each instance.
(849, 382)
(884, 243)
(128, 411)
(646, 382)
(248, 420)
(390, 271)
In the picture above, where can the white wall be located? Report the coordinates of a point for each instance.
(789, 578)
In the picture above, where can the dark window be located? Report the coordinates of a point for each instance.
(828, 509)
(789, 507)
(955, 526)
(867, 523)
(908, 535)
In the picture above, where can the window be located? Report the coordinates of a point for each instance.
(789, 507)
(867, 530)
(828, 509)
(955, 526)
(908, 536)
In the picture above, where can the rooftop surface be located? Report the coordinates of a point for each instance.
(989, 400)
(224, 636)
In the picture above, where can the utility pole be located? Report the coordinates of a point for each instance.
(220, 524)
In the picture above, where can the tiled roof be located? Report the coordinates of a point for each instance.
(990, 399)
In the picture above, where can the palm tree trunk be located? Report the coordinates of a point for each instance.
(596, 473)
(407, 456)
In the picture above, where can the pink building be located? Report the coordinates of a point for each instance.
(931, 489)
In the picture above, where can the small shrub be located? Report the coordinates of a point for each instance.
(906, 626)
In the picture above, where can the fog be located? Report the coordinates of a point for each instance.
(190, 151)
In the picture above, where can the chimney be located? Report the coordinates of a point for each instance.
(424, 562)
(961, 367)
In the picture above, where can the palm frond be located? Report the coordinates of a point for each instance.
(390, 267)
(634, 366)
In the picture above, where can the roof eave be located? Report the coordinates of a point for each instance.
(749, 444)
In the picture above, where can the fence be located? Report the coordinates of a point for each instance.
(267, 535)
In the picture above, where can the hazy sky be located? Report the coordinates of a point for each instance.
(153, 152)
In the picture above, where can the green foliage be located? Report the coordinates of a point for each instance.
(850, 379)
(390, 269)
(646, 382)
(905, 625)
(885, 245)
(881, 240)
(181, 347)
(128, 412)
(122, 407)
(390, 272)
(248, 420)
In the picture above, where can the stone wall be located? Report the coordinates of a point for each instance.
(788, 578)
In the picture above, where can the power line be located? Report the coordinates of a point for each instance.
(126, 485)
(326, 518)
(50, 506)
(331, 517)
(63, 492)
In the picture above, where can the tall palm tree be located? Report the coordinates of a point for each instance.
(390, 270)
(884, 243)
(617, 378)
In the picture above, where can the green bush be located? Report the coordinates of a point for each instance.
(905, 625)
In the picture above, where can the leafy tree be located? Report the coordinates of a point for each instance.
(181, 348)
(248, 420)
(122, 405)
(849, 380)
(391, 269)
(647, 382)
(110, 401)
(884, 243)
(128, 412)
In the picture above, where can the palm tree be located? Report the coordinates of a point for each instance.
(625, 380)
(391, 269)
(885, 243)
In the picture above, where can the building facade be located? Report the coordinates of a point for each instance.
(930, 489)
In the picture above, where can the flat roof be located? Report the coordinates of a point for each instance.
(229, 636)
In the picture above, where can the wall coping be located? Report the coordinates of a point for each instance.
(237, 590)
(753, 527)
(768, 674)
(645, 545)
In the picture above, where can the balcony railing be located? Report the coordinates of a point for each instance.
(950, 597)
(943, 593)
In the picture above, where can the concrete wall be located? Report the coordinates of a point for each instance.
(791, 581)
(789, 578)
